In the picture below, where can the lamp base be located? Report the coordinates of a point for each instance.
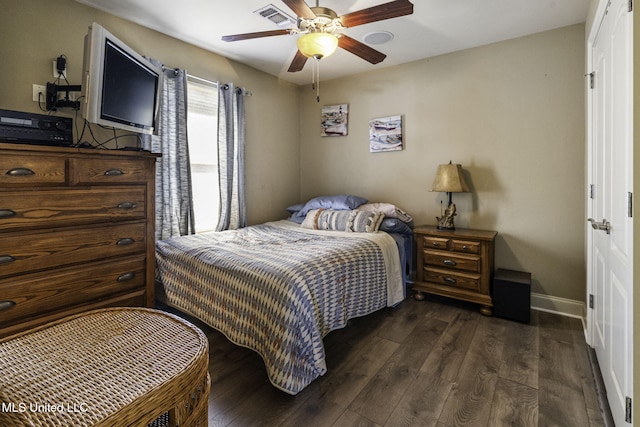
(445, 222)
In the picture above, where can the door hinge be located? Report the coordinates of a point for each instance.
(590, 300)
(630, 5)
(592, 191)
(630, 204)
(627, 412)
(592, 79)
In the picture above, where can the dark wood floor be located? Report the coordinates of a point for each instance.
(424, 363)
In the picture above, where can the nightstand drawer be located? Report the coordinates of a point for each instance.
(436, 243)
(454, 279)
(453, 261)
(465, 246)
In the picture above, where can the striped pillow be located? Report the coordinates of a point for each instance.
(343, 220)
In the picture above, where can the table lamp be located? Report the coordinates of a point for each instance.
(449, 179)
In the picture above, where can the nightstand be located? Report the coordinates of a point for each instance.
(456, 264)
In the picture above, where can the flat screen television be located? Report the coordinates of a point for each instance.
(120, 88)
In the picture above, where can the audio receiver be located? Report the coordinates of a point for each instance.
(29, 128)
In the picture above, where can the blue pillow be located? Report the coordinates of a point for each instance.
(295, 208)
(338, 202)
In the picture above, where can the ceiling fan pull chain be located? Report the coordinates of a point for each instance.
(318, 82)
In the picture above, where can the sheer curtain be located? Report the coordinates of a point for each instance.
(174, 209)
(231, 164)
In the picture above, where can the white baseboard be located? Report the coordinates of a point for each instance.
(557, 305)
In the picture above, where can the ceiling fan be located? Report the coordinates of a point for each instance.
(322, 30)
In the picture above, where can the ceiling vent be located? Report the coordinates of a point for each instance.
(276, 16)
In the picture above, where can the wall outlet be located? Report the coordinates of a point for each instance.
(39, 93)
(55, 71)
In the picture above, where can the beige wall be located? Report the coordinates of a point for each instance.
(34, 32)
(512, 113)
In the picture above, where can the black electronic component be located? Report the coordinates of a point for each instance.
(29, 128)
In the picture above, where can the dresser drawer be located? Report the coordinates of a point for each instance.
(38, 294)
(107, 171)
(453, 278)
(452, 260)
(32, 170)
(60, 207)
(26, 252)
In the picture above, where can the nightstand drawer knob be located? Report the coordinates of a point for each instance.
(450, 280)
(127, 205)
(20, 172)
(436, 244)
(449, 262)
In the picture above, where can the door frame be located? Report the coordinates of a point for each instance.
(591, 38)
(590, 331)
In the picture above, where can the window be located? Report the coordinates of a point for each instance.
(202, 131)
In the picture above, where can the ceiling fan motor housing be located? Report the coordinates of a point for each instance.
(325, 21)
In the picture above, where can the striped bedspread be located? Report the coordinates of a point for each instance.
(279, 289)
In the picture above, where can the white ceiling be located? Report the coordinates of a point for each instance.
(436, 27)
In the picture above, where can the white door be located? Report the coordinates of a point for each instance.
(610, 238)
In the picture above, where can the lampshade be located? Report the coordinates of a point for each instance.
(449, 179)
(317, 45)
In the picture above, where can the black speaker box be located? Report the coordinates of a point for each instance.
(512, 295)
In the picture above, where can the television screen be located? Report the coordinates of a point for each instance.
(120, 87)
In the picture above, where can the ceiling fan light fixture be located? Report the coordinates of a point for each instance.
(317, 45)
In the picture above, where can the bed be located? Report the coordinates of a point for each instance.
(279, 288)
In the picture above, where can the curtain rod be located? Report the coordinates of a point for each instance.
(245, 91)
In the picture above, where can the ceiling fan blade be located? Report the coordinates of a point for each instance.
(360, 49)
(246, 36)
(298, 62)
(381, 12)
(300, 8)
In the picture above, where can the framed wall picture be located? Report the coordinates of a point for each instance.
(385, 134)
(335, 120)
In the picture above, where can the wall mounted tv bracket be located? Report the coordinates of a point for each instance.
(52, 101)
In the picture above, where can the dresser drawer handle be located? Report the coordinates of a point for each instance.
(465, 248)
(450, 280)
(449, 262)
(127, 205)
(436, 244)
(20, 172)
(126, 276)
(7, 213)
(114, 172)
(6, 304)
(125, 241)
(6, 259)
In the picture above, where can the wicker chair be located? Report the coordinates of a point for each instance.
(108, 367)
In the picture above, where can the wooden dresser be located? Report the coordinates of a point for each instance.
(76, 232)
(455, 263)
